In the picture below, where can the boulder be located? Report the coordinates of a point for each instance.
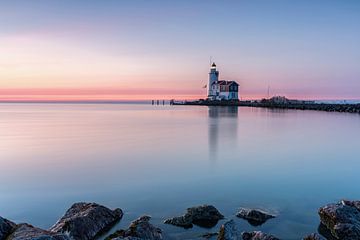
(6, 227)
(257, 235)
(313, 236)
(228, 231)
(204, 216)
(323, 231)
(342, 219)
(138, 229)
(85, 221)
(25, 231)
(253, 216)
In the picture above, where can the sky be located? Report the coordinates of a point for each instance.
(141, 49)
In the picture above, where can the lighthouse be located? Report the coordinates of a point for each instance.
(220, 90)
(212, 83)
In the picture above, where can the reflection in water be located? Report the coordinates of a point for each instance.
(156, 160)
(216, 114)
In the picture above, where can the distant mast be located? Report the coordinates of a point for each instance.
(213, 78)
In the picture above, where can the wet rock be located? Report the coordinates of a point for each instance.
(204, 216)
(342, 219)
(228, 231)
(138, 229)
(28, 232)
(257, 235)
(323, 231)
(253, 216)
(84, 221)
(313, 236)
(6, 227)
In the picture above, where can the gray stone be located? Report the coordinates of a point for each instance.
(253, 216)
(138, 229)
(204, 216)
(28, 232)
(342, 219)
(257, 235)
(228, 231)
(313, 236)
(6, 227)
(85, 221)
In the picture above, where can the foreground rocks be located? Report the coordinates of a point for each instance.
(253, 216)
(138, 229)
(342, 219)
(228, 231)
(6, 228)
(84, 221)
(28, 232)
(313, 236)
(12, 231)
(204, 216)
(257, 235)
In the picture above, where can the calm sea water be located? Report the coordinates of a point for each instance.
(159, 160)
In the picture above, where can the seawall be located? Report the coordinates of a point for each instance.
(328, 107)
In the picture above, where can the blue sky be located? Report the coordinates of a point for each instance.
(307, 49)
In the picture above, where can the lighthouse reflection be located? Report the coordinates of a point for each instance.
(221, 116)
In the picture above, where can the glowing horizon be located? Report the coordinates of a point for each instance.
(142, 51)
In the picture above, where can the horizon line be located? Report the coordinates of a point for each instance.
(142, 101)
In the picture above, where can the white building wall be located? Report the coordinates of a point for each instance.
(229, 95)
(213, 77)
(224, 95)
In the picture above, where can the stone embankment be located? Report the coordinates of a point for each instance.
(295, 105)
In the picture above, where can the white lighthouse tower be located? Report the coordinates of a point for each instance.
(213, 78)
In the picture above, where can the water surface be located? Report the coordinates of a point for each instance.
(159, 160)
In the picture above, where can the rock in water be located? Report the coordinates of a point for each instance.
(313, 236)
(204, 216)
(27, 232)
(342, 219)
(253, 216)
(257, 235)
(228, 231)
(6, 227)
(84, 221)
(138, 229)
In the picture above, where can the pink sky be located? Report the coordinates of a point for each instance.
(42, 67)
(161, 51)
